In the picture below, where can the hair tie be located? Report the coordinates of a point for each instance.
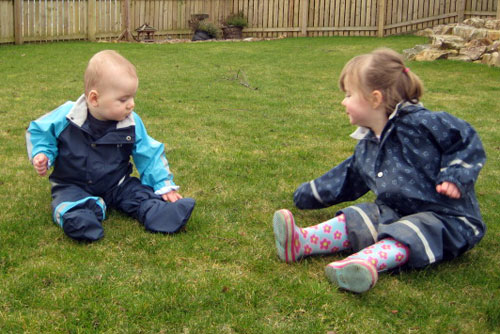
(406, 69)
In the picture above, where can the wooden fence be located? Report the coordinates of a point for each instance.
(51, 20)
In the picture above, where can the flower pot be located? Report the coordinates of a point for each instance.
(232, 32)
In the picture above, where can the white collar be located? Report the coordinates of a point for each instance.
(360, 133)
(78, 114)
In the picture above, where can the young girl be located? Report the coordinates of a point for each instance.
(421, 165)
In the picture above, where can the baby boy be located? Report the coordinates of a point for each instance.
(89, 143)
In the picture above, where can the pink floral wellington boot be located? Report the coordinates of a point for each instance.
(293, 243)
(359, 272)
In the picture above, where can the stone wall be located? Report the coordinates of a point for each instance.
(475, 40)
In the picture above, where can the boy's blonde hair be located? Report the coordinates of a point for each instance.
(383, 70)
(99, 66)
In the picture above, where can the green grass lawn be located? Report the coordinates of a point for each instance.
(244, 125)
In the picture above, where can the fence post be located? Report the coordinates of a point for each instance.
(18, 22)
(460, 11)
(125, 12)
(91, 19)
(304, 11)
(381, 18)
(125, 35)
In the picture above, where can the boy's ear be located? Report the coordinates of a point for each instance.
(93, 98)
(377, 99)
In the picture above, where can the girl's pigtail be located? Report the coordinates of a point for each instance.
(414, 87)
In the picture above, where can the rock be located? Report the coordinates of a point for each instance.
(409, 54)
(492, 59)
(448, 29)
(438, 30)
(475, 22)
(493, 47)
(444, 29)
(486, 58)
(479, 42)
(444, 42)
(433, 54)
(492, 24)
(460, 57)
(468, 33)
(463, 31)
(480, 33)
(475, 40)
(495, 59)
(494, 35)
(496, 56)
(422, 47)
(425, 33)
(474, 53)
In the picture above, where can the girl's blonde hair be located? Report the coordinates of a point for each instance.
(99, 66)
(383, 70)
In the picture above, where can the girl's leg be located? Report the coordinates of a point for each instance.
(359, 272)
(293, 242)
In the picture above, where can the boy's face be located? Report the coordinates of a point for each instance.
(115, 100)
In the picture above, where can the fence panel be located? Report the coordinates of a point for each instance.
(108, 18)
(171, 17)
(406, 16)
(6, 21)
(50, 20)
(481, 8)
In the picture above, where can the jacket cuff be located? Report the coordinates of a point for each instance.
(455, 181)
(48, 155)
(166, 190)
(307, 197)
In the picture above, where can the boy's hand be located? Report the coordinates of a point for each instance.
(171, 196)
(448, 189)
(40, 162)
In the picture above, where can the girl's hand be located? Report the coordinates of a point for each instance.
(448, 189)
(171, 196)
(40, 162)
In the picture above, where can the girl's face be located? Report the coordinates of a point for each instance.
(358, 108)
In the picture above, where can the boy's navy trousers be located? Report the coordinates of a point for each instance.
(80, 213)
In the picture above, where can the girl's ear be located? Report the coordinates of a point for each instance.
(377, 99)
(92, 98)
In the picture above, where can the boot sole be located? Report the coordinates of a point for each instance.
(354, 275)
(283, 226)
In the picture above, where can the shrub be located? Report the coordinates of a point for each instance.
(210, 28)
(237, 20)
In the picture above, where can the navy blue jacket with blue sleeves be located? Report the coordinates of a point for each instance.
(97, 164)
(417, 150)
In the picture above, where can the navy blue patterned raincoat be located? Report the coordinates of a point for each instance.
(417, 150)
